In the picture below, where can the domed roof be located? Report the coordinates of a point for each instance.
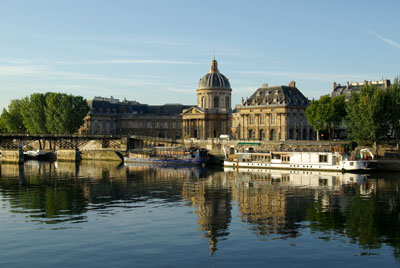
(214, 79)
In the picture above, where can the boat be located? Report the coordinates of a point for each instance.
(328, 161)
(170, 156)
(37, 155)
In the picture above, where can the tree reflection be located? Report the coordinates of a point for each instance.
(368, 219)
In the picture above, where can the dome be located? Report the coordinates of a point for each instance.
(214, 79)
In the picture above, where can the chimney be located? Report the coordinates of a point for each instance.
(347, 85)
(387, 83)
(265, 85)
(292, 84)
(333, 86)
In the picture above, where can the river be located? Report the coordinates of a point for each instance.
(101, 214)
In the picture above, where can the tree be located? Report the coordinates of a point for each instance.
(339, 110)
(3, 128)
(64, 113)
(326, 113)
(393, 107)
(12, 118)
(33, 113)
(367, 115)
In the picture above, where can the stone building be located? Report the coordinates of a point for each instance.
(273, 113)
(340, 132)
(212, 115)
(108, 116)
(338, 89)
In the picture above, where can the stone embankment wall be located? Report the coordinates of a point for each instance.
(216, 146)
(12, 156)
(100, 155)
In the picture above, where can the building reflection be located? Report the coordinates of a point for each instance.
(272, 203)
(212, 199)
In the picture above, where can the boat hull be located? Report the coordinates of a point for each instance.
(352, 166)
(158, 161)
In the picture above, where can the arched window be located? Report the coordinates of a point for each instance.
(203, 102)
(272, 135)
(262, 135)
(216, 102)
(227, 103)
(251, 134)
(304, 134)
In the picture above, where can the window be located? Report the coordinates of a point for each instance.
(251, 134)
(169, 124)
(262, 119)
(272, 119)
(251, 119)
(272, 135)
(323, 158)
(227, 103)
(262, 135)
(216, 102)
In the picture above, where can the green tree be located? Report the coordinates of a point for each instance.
(393, 106)
(64, 113)
(367, 115)
(12, 119)
(3, 128)
(339, 110)
(326, 113)
(33, 113)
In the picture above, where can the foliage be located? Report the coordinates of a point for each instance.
(64, 113)
(33, 113)
(12, 118)
(3, 128)
(53, 113)
(367, 115)
(393, 107)
(326, 113)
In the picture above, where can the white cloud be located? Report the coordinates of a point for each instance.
(386, 40)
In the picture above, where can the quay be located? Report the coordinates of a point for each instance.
(74, 148)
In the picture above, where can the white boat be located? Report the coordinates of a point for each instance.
(328, 161)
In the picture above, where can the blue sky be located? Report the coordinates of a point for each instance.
(155, 52)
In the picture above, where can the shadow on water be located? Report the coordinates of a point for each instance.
(272, 204)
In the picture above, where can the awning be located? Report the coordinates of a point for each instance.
(249, 143)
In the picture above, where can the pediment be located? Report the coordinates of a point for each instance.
(192, 110)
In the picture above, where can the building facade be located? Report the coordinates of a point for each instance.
(273, 113)
(350, 87)
(109, 116)
(212, 115)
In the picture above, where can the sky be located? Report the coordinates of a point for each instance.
(155, 52)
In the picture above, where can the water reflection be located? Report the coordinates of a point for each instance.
(272, 204)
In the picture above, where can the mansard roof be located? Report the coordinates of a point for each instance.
(277, 96)
(112, 106)
(349, 87)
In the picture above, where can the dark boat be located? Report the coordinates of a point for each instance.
(170, 156)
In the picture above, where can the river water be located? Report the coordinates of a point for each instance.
(103, 215)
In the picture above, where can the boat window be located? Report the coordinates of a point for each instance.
(276, 156)
(351, 163)
(323, 158)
